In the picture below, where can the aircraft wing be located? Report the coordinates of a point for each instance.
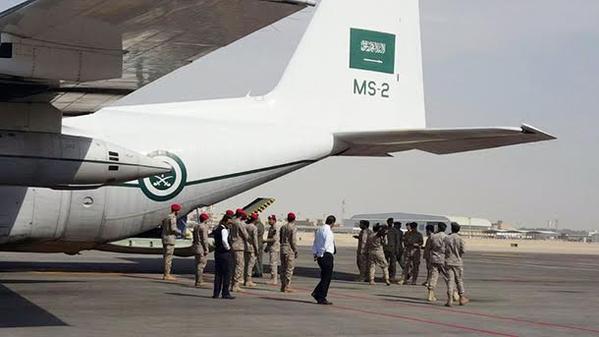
(81, 55)
(438, 141)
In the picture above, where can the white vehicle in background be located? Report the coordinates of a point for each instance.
(353, 88)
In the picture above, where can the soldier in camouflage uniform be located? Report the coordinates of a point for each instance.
(273, 248)
(169, 238)
(430, 229)
(251, 249)
(437, 257)
(238, 236)
(413, 242)
(288, 237)
(200, 248)
(376, 255)
(362, 251)
(454, 250)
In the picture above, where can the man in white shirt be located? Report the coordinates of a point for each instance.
(323, 250)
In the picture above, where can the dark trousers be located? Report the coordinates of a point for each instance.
(392, 260)
(222, 274)
(326, 265)
(258, 267)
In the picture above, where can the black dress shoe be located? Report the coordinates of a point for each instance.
(228, 297)
(214, 296)
(325, 302)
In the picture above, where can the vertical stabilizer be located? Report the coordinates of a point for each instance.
(357, 68)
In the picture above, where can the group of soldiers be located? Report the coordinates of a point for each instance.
(387, 245)
(384, 246)
(246, 247)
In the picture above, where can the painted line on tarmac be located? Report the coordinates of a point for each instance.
(474, 313)
(407, 318)
(425, 306)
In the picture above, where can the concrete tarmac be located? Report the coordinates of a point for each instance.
(106, 294)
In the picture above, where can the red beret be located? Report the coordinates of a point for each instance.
(204, 217)
(229, 213)
(254, 216)
(241, 214)
(175, 208)
(291, 216)
(272, 217)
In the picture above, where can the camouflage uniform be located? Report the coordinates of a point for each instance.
(288, 234)
(362, 254)
(376, 256)
(169, 238)
(413, 242)
(454, 250)
(200, 250)
(437, 258)
(251, 248)
(238, 236)
(273, 247)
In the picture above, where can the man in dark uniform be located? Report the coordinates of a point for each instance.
(223, 261)
(390, 248)
(260, 233)
(413, 242)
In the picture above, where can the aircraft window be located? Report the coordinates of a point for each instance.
(6, 50)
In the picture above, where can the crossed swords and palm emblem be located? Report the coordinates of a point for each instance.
(164, 180)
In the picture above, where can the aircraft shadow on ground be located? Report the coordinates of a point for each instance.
(18, 312)
(142, 265)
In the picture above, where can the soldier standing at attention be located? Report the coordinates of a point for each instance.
(239, 238)
(413, 242)
(251, 249)
(200, 248)
(437, 256)
(222, 258)
(390, 248)
(288, 237)
(376, 255)
(258, 270)
(362, 251)
(169, 238)
(430, 229)
(273, 248)
(454, 250)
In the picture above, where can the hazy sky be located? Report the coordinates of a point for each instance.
(486, 63)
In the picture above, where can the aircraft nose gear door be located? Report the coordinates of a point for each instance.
(86, 215)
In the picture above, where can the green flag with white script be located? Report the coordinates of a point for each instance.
(371, 50)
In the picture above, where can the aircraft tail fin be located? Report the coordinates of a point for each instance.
(358, 67)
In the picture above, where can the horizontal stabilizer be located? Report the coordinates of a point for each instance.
(438, 141)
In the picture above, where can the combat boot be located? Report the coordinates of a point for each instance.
(449, 301)
(464, 300)
(250, 284)
(169, 278)
(371, 282)
(456, 296)
(387, 282)
(431, 296)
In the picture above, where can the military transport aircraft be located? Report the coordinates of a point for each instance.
(353, 88)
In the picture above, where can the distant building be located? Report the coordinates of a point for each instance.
(469, 226)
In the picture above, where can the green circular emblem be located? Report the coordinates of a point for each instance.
(165, 186)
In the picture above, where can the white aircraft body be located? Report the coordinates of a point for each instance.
(353, 88)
